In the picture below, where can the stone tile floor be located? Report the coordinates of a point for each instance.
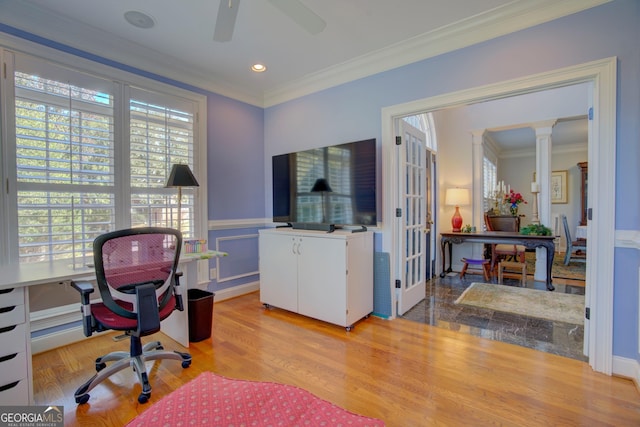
(438, 309)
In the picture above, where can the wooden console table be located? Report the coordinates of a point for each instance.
(499, 237)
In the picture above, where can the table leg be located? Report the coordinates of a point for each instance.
(550, 253)
(443, 245)
(494, 258)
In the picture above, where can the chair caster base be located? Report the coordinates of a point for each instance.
(186, 359)
(80, 400)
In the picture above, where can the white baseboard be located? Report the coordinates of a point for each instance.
(236, 291)
(627, 368)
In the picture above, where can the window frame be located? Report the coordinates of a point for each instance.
(10, 46)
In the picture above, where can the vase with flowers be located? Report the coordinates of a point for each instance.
(513, 199)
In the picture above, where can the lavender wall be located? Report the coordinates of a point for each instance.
(353, 110)
(235, 158)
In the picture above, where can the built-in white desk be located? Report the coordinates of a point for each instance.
(16, 375)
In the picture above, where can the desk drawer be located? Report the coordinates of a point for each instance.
(13, 367)
(15, 393)
(12, 315)
(11, 296)
(13, 339)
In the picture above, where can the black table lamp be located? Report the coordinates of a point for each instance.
(181, 176)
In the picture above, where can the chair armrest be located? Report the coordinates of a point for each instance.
(177, 291)
(147, 309)
(85, 289)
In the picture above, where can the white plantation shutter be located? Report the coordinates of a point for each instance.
(64, 149)
(81, 169)
(161, 134)
(490, 172)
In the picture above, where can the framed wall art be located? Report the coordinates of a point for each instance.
(559, 187)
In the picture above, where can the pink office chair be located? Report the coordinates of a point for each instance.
(136, 272)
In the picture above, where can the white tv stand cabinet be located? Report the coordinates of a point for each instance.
(327, 276)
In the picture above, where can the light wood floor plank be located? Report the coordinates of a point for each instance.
(403, 372)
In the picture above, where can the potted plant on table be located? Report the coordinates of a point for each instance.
(536, 230)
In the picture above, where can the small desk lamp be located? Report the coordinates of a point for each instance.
(456, 197)
(322, 186)
(181, 176)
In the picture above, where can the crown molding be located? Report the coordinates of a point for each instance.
(580, 147)
(513, 17)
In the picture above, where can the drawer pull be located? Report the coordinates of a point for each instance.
(7, 309)
(7, 329)
(6, 291)
(8, 357)
(9, 386)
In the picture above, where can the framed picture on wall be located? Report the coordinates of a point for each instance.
(559, 187)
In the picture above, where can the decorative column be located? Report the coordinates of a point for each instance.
(543, 178)
(477, 139)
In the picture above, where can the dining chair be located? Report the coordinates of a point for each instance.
(573, 246)
(504, 251)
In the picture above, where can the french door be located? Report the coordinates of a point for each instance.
(415, 219)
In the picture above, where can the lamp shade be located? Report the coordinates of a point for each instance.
(181, 176)
(321, 185)
(456, 197)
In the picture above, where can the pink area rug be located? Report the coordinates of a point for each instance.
(213, 400)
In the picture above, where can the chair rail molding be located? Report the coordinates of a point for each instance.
(628, 239)
(230, 224)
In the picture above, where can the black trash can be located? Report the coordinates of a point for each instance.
(200, 314)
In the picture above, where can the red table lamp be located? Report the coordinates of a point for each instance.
(456, 197)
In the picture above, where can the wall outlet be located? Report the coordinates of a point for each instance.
(213, 274)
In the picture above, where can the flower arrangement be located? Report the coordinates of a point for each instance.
(514, 199)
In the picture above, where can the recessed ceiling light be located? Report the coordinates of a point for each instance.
(259, 68)
(139, 19)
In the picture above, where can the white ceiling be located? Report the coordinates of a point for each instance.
(361, 37)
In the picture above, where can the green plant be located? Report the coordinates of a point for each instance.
(536, 230)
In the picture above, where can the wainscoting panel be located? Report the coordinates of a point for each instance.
(242, 258)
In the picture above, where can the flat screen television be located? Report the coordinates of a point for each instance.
(329, 185)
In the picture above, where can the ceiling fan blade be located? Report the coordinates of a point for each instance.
(301, 15)
(226, 20)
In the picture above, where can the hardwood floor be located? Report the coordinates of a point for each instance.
(403, 372)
